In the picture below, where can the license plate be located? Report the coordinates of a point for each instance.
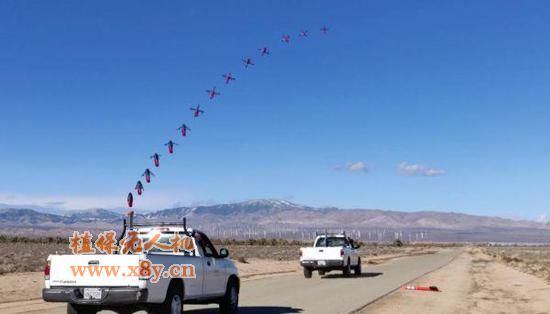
(92, 293)
(321, 263)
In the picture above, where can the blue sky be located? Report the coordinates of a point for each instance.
(404, 105)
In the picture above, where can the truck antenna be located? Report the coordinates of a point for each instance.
(131, 218)
(123, 230)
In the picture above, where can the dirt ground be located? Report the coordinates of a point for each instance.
(27, 257)
(533, 260)
(473, 283)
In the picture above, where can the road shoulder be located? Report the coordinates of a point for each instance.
(472, 283)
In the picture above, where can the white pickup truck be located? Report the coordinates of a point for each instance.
(331, 252)
(216, 277)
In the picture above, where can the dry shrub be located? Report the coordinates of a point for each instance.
(242, 259)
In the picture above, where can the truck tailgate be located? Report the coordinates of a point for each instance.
(94, 270)
(321, 253)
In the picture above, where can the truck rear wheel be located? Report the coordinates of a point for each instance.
(81, 309)
(347, 269)
(321, 272)
(173, 303)
(357, 268)
(307, 272)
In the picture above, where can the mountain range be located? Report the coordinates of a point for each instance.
(284, 219)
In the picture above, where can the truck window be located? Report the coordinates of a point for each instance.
(207, 246)
(164, 239)
(331, 242)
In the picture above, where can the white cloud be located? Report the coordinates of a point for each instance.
(544, 218)
(58, 204)
(10, 197)
(357, 167)
(151, 201)
(407, 169)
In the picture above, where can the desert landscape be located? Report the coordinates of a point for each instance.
(474, 279)
(447, 250)
(21, 266)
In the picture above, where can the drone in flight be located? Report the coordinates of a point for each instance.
(184, 128)
(147, 174)
(170, 146)
(264, 51)
(139, 188)
(156, 159)
(212, 92)
(228, 78)
(197, 111)
(130, 200)
(247, 62)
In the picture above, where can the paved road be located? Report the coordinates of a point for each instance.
(294, 294)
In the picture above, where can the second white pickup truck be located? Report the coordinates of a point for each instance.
(331, 252)
(105, 283)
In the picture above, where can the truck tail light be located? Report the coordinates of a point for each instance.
(47, 271)
(342, 252)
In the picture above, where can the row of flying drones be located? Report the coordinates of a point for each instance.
(197, 111)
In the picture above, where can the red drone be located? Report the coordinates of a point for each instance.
(212, 92)
(170, 145)
(139, 188)
(247, 62)
(303, 33)
(197, 111)
(264, 51)
(156, 159)
(130, 200)
(228, 78)
(184, 128)
(285, 38)
(147, 174)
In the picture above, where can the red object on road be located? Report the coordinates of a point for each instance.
(422, 288)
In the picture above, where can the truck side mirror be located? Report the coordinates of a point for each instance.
(224, 252)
